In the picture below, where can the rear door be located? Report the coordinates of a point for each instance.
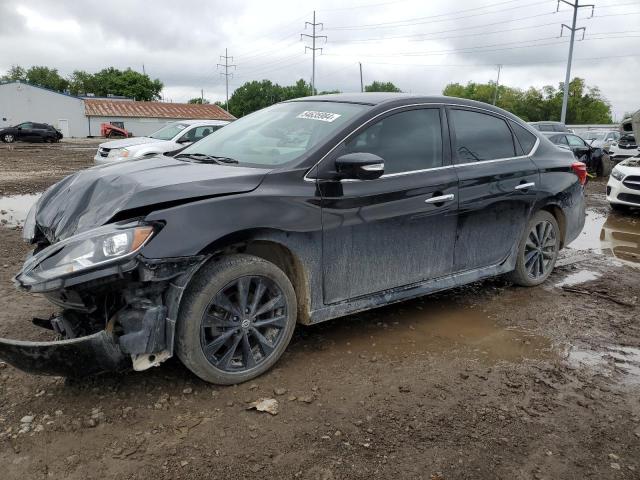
(400, 228)
(497, 189)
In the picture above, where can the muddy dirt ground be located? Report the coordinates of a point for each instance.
(483, 382)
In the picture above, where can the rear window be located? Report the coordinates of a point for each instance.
(479, 136)
(526, 139)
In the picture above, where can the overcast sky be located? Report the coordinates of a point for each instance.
(419, 45)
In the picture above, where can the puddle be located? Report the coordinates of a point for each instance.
(14, 208)
(620, 358)
(577, 278)
(436, 329)
(613, 234)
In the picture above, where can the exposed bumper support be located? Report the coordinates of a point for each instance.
(76, 357)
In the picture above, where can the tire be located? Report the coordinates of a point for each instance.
(535, 260)
(210, 319)
(8, 138)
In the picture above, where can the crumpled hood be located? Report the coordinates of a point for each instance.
(90, 198)
(129, 142)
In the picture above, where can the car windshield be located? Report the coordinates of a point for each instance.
(278, 134)
(169, 131)
(595, 136)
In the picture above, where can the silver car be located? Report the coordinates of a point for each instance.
(172, 136)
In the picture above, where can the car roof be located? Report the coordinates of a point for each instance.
(550, 134)
(546, 122)
(381, 98)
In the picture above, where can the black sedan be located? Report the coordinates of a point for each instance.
(593, 157)
(304, 211)
(30, 132)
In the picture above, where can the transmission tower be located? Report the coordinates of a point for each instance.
(226, 73)
(313, 47)
(573, 30)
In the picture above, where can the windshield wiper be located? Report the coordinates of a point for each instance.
(203, 157)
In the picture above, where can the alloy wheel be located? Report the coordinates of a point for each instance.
(243, 324)
(8, 138)
(540, 249)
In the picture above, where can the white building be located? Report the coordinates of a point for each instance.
(82, 116)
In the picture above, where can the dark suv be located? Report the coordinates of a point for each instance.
(302, 212)
(30, 132)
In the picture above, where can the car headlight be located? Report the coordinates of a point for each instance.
(617, 174)
(104, 245)
(119, 153)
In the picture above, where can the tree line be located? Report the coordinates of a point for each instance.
(586, 103)
(108, 81)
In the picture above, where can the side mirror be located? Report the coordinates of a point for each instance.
(360, 166)
(184, 140)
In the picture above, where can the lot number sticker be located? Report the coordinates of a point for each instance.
(322, 116)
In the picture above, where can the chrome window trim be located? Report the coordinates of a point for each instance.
(455, 165)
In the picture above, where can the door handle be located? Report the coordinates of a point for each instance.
(440, 199)
(525, 186)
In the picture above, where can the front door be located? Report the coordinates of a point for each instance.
(399, 229)
(498, 186)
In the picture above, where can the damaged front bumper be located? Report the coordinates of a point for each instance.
(76, 357)
(135, 331)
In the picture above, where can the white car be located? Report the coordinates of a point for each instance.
(605, 139)
(172, 136)
(623, 189)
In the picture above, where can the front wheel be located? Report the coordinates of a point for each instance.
(236, 319)
(537, 251)
(8, 138)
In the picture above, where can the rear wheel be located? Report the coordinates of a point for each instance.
(236, 319)
(537, 251)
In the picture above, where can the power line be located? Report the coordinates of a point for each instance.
(226, 73)
(573, 29)
(313, 48)
(430, 19)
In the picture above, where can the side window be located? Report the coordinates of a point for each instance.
(26, 126)
(406, 141)
(559, 128)
(526, 139)
(560, 140)
(479, 136)
(575, 141)
(544, 127)
(201, 132)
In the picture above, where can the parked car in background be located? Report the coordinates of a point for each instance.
(172, 136)
(595, 158)
(550, 126)
(30, 132)
(623, 189)
(302, 212)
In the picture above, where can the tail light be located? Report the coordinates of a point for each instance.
(580, 169)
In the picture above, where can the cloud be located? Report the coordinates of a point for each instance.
(180, 42)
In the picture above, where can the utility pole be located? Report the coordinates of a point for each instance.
(226, 73)
(573, 30)
(495, 95)
(313, 48)
(361, 82)
(202, 96)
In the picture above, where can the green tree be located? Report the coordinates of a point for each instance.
(255, 95)
(81, 82)
(16, 72)
(46, 77)
(381, 87)
(585, 105)
(128, 83)
(199, 101)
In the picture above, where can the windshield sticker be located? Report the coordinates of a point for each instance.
(322, 116)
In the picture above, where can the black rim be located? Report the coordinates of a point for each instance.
(540, 250)
(243, 324)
